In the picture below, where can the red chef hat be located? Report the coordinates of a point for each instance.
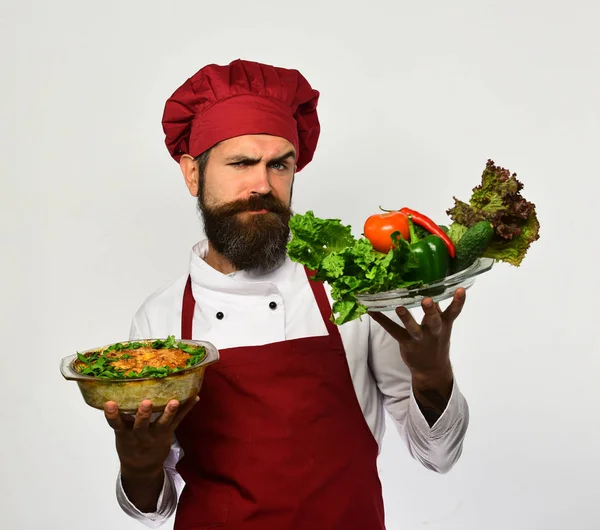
(221, 102)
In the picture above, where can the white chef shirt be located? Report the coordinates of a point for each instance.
(381, 379)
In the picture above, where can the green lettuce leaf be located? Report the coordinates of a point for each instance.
(349, 265)
(315, 238)
(498, 200)
(456, 232)
(514, 251)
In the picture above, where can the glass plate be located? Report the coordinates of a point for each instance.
(438, 291)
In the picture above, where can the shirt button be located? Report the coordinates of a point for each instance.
(273, 305)
(220, 315)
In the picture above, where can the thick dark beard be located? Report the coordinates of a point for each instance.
(257, 242)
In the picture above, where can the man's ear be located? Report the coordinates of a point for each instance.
(189, 168)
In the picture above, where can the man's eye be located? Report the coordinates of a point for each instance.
(279, 166)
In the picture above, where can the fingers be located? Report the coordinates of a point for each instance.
(455, 308)
(171, 417)
(396, 331)
(168, 415)
(412, 326)
(433, 318)
(111, 413)
(142, 417)
(183, 410)
(174, 412)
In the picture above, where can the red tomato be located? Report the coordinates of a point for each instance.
(379, 228)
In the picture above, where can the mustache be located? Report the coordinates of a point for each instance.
(254, 203)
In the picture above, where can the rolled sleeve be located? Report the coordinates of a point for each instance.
(166, 505)
(438, 447)
(167, 502)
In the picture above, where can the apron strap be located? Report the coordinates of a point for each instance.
(187, 311)
(318, 289)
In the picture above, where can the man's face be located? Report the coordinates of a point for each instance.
(245, 200)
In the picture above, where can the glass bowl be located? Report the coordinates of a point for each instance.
(129, 393)
(438, 291)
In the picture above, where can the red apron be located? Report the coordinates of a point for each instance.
(278, 440)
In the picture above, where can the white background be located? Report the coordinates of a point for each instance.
(416, 96)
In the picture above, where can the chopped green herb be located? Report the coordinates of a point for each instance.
(100, 363)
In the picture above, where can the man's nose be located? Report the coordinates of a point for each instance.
(260, 180)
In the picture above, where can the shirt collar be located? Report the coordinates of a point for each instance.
(239, 282)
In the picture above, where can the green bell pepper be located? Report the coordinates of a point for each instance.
(433, 256)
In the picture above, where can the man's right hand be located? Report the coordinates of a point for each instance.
(143, 447)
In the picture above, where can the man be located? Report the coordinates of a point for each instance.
(287, 431)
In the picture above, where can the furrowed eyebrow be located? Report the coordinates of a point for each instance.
(249, 161)
(283, 158)
(236, 159)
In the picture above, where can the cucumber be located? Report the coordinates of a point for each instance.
(472, 245)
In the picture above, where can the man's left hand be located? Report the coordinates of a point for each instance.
(425, 348)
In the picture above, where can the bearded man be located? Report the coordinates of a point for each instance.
(291, 418)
